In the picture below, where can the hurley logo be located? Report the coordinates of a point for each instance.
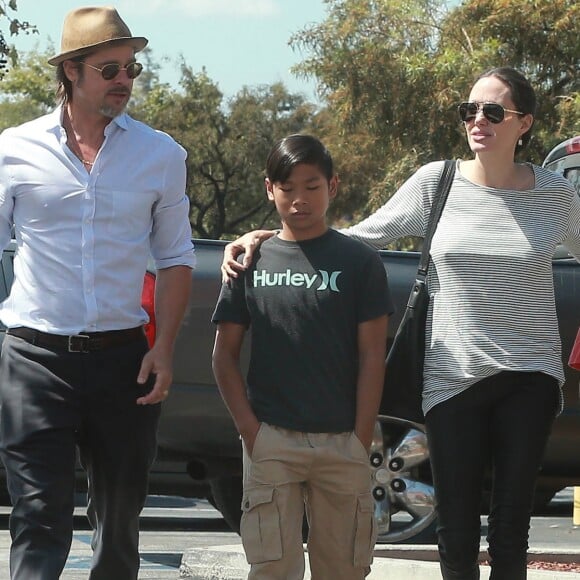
(288, 278)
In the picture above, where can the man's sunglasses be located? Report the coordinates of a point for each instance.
(493, 112)
(111, 70)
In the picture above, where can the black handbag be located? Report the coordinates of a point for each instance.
(403, 386)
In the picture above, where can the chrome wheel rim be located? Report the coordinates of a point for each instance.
(401, 479)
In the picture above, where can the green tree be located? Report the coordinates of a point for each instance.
(28, 89)
(393, 71)
(147, 81)
(15, 26)
(227, 144)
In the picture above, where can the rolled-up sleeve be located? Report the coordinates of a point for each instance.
(171, 243)
(6, 198)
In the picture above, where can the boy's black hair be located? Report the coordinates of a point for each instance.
(522, 93)
(295, 149)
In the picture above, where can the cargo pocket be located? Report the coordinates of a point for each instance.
(366, 531)
(260, 525)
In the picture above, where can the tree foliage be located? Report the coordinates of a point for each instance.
(28, 89)
(227, 145)
(15, 26)
(390, 74)
(393, 71)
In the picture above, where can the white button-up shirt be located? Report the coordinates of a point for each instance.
(83, 239)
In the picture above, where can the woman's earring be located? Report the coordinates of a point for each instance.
(520, 142)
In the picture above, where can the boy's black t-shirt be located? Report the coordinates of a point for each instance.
(303, 302)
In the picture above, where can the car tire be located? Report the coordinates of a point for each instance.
(226, 494)
(542, 497)
(4, 496)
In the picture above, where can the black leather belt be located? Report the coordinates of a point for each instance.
(85, 342)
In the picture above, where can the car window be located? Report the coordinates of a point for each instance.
(573, 175)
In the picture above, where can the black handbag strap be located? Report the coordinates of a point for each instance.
(437, 206)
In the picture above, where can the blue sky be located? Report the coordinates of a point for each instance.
(240, 42)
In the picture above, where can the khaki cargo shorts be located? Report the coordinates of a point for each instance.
(325, 475)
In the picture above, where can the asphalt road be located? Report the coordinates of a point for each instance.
(172, 525)
(169, 526)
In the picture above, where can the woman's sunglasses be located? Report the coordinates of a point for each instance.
(111, 70)
(493, 112)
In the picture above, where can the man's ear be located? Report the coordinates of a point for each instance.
(71, 70)
(269, 189)
(333, 186)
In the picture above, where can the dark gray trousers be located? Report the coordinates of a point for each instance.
(51, 403)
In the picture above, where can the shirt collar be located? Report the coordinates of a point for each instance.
(118, 121)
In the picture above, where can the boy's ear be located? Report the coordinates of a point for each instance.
(269, 189)
(333, 186)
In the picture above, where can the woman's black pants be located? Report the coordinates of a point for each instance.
(502, 422)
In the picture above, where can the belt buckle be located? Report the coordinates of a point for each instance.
(78, 343)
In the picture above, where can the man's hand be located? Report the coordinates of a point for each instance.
(159, 363)
(172, 290)
(245, 244)
(249, 436)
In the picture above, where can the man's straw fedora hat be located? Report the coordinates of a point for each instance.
(92, 27)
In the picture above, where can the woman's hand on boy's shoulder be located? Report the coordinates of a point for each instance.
(246, 245)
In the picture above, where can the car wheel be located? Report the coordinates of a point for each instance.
(226, 493)
(542, 497)
(401, 482)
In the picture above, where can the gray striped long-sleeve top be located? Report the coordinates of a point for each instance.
(490, 276)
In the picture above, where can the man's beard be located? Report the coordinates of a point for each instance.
(112, 112)
(107, 110)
